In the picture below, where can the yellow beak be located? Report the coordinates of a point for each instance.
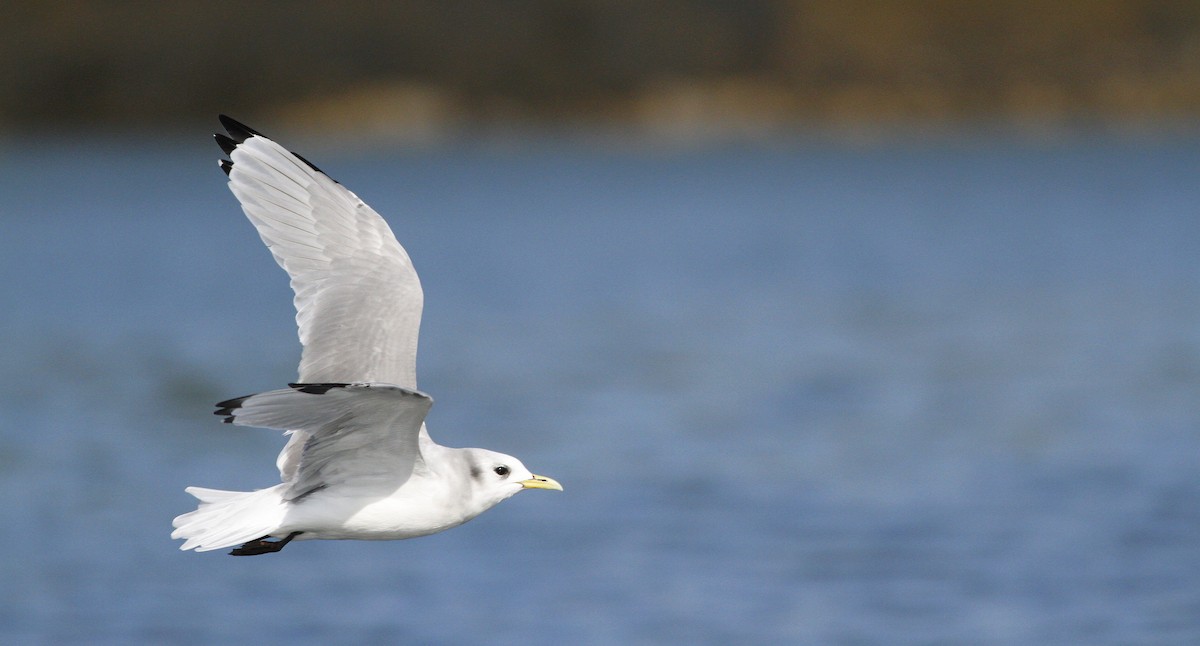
(541, 482)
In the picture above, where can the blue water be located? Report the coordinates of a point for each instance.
(916, 391)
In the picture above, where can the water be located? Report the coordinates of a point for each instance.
(912, 392)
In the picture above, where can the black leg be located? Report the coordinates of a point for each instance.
(263, 546)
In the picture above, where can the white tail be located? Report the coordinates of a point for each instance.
(229, 518)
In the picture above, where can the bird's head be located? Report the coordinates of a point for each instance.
(496, 476)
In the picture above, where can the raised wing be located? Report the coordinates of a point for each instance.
(358, 299)
(360, 433)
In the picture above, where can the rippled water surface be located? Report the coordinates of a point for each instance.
(912, 392)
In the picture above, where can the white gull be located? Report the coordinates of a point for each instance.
(359, 463)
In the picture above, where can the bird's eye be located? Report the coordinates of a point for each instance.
(501, 470)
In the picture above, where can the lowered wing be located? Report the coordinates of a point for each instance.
(360, 433)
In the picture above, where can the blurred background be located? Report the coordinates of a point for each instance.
(679, 65)
(840, 322)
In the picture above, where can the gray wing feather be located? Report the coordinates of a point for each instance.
(358, 299)
(357, 296)
(353, 433)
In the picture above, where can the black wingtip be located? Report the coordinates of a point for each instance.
(226, 165)
(239, 133)
(227, 145)
(226, 408)
(237, 130)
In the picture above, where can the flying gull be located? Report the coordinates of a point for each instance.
(359, 463)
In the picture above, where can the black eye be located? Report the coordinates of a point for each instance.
(501, 470)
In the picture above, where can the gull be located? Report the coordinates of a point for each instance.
(358, 462)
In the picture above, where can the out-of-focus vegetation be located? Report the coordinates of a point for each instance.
(674, 63)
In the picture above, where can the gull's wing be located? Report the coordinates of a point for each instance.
(360, 433)
(358, 299)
